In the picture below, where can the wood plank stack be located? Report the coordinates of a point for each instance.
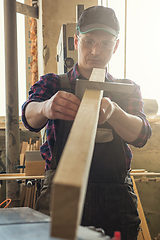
(30, 157)
(28, 196)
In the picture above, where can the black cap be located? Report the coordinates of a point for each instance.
(98, 18)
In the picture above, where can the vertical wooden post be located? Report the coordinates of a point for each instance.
(12, 136)
(28, 50)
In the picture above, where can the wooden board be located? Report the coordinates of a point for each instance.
(22, 161)
(22, 155)
(144, 234)
(34, 163)
(35, 168)
(24, 147)
(70, 181)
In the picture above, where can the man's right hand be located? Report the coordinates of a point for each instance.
(62, 105)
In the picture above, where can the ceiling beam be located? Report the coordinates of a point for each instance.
(27, 10)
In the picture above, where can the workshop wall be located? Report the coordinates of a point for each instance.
(148, 158)
(55, 14)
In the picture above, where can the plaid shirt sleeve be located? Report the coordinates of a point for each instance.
(133, 104)
(42, 90)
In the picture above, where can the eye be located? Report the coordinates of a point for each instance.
(105, 43)
(89, 42)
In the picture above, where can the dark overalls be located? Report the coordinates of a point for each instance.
(110, 203)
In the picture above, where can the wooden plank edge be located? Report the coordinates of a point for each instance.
(60, 211)
(143, 225)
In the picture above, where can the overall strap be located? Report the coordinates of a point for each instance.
(65, 85)
(65, 82)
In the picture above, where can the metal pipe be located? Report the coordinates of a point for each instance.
(12, 135)
(145, 174)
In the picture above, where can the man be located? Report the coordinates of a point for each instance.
(110, 202)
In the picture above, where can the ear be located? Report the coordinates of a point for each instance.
(116, 46)
(76, 42)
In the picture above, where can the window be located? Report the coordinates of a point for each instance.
(21, 59)
(142, 47)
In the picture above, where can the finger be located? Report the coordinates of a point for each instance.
(69, 97)
(105, 109)
(62, 116)
(62, 102)
(65, 111)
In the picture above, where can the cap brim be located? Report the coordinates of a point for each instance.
(96, 26)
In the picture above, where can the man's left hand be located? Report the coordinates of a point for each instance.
(106, 110)
(127, 126)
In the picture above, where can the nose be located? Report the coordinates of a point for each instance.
(96, 48)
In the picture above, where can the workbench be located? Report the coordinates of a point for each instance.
(28, 224)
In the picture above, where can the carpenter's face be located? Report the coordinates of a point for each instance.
(95, 49)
